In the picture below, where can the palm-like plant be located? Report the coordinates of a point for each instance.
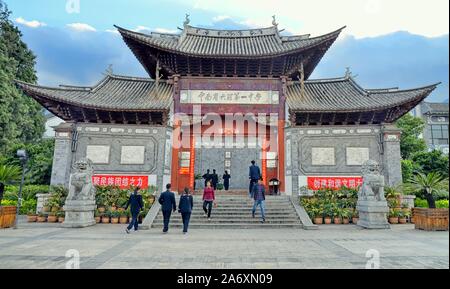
(428, 185)
(9, 173)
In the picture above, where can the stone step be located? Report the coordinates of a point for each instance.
(229, 220)
(233, 226)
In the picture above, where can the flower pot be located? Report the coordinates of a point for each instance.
(402, 220)
(41, 219)
(113, 209)
(101, 209)
(123, 220)
(327, 220)
(105, 220)
(45, 209)
(52, 219)
(97, 219)
(61, 219)
(345, 221)
(337, 221)
(318, 220)
(393, 220)
(54, 209)
(32, 218)
(355, 220)
(114, 220)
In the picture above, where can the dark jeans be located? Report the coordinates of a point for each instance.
(226, 186)
(186, 217)
(166, 215)
(207, 207)
(134, 222)
(250, 187)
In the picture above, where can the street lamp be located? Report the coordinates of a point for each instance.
(22, 155)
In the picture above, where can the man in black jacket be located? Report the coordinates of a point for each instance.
(136, 205)
(168, 205)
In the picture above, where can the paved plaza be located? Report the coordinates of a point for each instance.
(107, 246)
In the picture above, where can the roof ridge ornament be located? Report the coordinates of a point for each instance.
(109, 70)
(187, 20)
(274, 21)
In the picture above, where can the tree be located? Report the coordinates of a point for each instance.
(7, 175)
(434, 161)
(411, 142)
(428, 185)
(21, 118)
(40, 160)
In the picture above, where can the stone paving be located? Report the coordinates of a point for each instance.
(107, 246)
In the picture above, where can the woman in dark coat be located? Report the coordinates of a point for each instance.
(185, 208)
(136, 205)
(226, 180)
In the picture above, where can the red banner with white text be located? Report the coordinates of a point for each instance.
(317, 183)
(121, 181)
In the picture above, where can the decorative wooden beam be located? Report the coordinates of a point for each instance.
(85, 119)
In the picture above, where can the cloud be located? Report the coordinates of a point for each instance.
(364, 18)
(164, 30)
(220, 18)
(113, 31)
(141, 28)
(81, 27)
(31, 24)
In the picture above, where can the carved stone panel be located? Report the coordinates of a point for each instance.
(132, 155)
(357, 156)
(322, 156)
(98, 154)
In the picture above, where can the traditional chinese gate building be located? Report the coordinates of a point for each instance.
(303, 132)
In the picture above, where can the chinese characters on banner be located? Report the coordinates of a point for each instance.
(317, 183)
(123, 182)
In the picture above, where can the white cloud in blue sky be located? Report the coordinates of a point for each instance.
(75, 48)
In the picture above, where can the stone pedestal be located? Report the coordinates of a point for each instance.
(373, 214)
(79, 213)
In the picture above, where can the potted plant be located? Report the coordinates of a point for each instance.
(97, 216)
(355, 217)
(61, 216)
(42, 218)
(426, 186)
(31, 216)
(328, 212)
(346, 215)
(402, 219)
(52, 218)
(123, 217)
(338, 216)
(318, 215)
(115, 217)
(393, 216)
(106, 218)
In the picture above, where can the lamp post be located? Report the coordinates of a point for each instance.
(22, 155)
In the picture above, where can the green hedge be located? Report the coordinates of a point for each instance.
(29, 192)
(421, 203)
(27, 206)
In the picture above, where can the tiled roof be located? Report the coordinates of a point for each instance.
(345, 95)
(435, 107)
(262, 42)
(116, 93)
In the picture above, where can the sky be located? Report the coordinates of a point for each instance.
(386, 43)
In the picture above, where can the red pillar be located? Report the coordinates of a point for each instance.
(281, 155)
(175, 154)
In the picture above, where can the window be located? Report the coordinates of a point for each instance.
(439, 134)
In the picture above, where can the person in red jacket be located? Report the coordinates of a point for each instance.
(208, 200)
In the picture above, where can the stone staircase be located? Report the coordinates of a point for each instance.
(235, 211)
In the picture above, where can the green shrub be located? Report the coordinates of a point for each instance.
(28, 192)
(421, 203)
(442, 204)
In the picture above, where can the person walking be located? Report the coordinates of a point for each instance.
(226, 180)
(214, 179)
(259, 195)
(207, 177)
(185, 208)
(254, 175)
(168, 203)
(136, 205)
(208, 200)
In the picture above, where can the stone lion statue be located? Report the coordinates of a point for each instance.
(81, 187)
(373, 182)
